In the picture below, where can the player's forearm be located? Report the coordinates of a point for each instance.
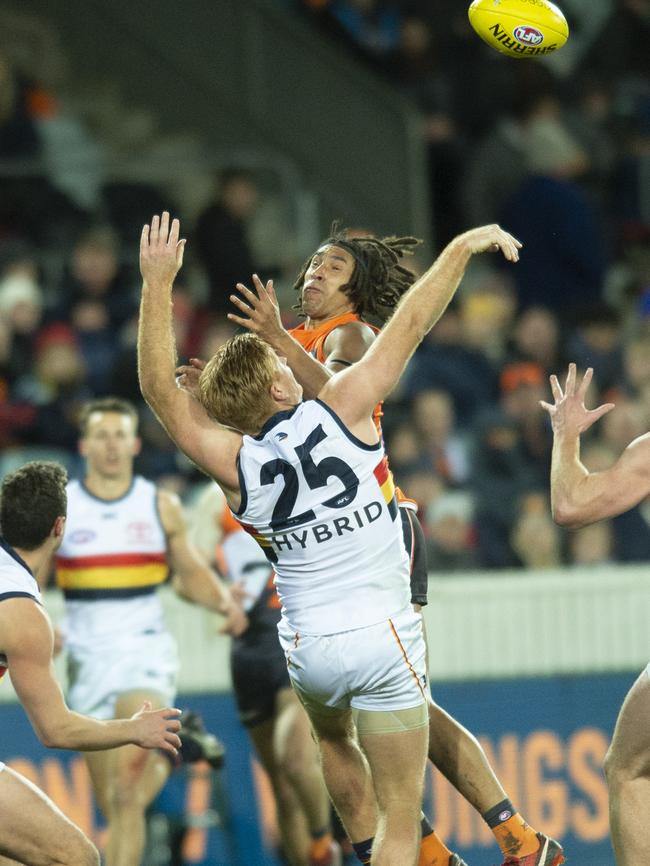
(309, 372)
(74, 731)
(156, 348)
(573, 489)
(203, 587)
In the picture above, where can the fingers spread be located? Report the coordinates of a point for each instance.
(586, 380)
(571, 380)
(555, 388)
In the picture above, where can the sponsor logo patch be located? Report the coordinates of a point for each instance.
(82, 536)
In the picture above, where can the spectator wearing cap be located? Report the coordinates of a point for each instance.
(450, 533)
(523, 385)
(21, 307)
(56, 387)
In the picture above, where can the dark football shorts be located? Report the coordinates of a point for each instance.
(259, 672)
(416, 549)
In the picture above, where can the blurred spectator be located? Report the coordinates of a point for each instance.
(56, 387)
(523, 385)
(404, 450)
(18, 134)
(500, 478)
(373, 26)
(221, 235)
(563, 259)
(99, 282)
(21, 307)
(597, 342)
(487, 313)
(442, 361)
(591, 545)
(442, 449)
(450, 533)
(484, 191)
(535, 538)
(418, 69)
(536, 338)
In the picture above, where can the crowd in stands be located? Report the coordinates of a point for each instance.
(559, 155)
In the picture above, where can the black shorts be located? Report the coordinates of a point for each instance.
(416, 549)
(259, 671)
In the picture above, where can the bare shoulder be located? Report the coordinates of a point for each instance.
(25, 626)
(350, 340)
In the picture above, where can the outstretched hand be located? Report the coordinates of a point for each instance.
(161, 250)
(262, 310)
(188, 375)
(492, 238)
(157, 729)
(569, 415)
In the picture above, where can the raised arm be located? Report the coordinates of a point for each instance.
(355, 391)
(27, 642)
(212, 447)
(580, 497)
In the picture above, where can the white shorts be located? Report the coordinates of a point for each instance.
(147, 662)
(381, 667)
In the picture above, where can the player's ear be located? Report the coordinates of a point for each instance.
(59, 527)
(137, 446)
(277, 392)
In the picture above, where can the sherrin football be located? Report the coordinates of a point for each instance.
(520, 28)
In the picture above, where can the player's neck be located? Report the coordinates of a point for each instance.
(36, 559)
(314, 322)
(107, 487)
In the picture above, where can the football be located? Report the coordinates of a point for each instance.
(520, 28)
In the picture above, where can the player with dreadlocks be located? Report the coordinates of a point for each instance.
(346, 289)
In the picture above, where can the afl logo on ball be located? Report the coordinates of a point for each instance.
(528, 35)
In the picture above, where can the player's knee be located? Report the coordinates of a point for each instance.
(620, 769)
(126, 797)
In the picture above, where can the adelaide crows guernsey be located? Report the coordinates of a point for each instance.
(313, 341)
(16, 581)
(111, 561)
(321, 504)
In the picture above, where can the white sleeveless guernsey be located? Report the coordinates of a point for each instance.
(16, 581)
(321, 504)
(112, 559)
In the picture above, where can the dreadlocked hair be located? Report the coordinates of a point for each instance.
(378, 280)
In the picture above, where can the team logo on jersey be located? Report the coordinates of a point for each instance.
(82, 536)
(280, 436)
(139, 532)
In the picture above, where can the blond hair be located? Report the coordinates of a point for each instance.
(234, 387)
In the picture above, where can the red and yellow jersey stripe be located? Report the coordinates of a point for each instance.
(116, 571)
(387, 486)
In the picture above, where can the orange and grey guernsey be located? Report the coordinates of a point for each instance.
(313, 341)
(112, 548)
